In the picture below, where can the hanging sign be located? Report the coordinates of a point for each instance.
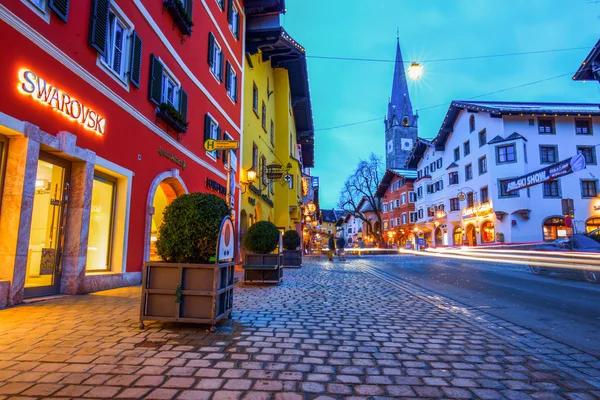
(211, 145)
(554, 171)
(47, 94)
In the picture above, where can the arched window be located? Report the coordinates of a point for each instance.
(488, 233)
(472, 123)
(458, 236)
(592, 224)
(554, 227)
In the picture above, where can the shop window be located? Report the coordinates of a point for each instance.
(101, 223)
(487, 232)
(554, 228)
(589, 188)
(591, 225)
(211, 131)
(119, 47)
(482, 165)
(546, 126)
(548, 154)
(583, 127)
(233, 18)
(215, 57)
(458, 236)
(231, 82)
(589, 154)
(505, 154)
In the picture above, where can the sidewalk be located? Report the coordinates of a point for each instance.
(329, 331)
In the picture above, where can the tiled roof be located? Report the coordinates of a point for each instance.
(586, 70)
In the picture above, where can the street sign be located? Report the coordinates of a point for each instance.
(551, 172)
(212, 144)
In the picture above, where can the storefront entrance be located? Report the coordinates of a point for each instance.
(592, 224)
(439, 237)
(48, 222)
(554, 228)
(487, 232)
(471, 235)
(458, 236)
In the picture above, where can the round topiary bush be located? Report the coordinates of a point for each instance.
(262, 238)
(190, 228)
(291, 240)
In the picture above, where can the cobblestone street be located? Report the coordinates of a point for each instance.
(329, 331)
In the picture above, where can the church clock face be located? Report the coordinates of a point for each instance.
(407, 144)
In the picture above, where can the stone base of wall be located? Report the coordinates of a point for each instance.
(95, 283)
(4, 289)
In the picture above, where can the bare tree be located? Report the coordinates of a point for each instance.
(357, 196)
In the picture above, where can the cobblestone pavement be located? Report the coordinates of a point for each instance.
(329, 331)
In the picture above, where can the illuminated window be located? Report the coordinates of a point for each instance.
(101, 223)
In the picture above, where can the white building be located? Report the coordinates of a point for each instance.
(461, 188)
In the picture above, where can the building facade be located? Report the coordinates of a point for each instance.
(106, 107)
(396, 192)
(278, 127)
(463, 197)
(401, 124)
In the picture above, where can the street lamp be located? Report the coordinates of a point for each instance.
(415, 71)
(251, 175)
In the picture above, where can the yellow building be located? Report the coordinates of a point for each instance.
(278, 138)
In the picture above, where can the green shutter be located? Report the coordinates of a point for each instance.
(155, 86)
(183, 104)
(135, 67)
(211, 48)
(227, 75)
(60, 8)
(229, 11)
(207, 121)
(188, 8)
(219, 137)
(99, 25)
(238, 23)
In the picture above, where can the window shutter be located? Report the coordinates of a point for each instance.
(238, 24)
(207, 122)
(228, 75)
(211, 48)
(135, 68)
(219, 134)
(155, 86)
(99, 25)
(60, 8)
(188, 8)
(230, 11)
(183, 104)
(235, 83)
(221, 74)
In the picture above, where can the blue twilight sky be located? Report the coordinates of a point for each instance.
(350, 91)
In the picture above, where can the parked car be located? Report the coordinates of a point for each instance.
(595, 234)
(580, 243)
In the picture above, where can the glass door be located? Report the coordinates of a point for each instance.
(47, 227)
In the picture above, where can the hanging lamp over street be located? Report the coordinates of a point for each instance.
(415, 71)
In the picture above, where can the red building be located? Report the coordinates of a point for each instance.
(106, 105)
(398, 209)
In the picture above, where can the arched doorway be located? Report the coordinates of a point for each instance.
(457, 236)
(488, 233)
(439, 237)
(471, 235)
(554, 228)
(164, 189)
(592, 224)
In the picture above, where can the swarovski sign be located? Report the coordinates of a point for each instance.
(39, 89)
(554, 171)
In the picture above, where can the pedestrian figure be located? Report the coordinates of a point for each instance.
(331, 250)
(341, 244)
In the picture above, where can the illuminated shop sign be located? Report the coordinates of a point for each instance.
(473, 212)
(47, 94)
(216, 187)
(554, 171)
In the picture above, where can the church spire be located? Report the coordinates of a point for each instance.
(400, 105)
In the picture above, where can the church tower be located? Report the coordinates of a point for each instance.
(401, 129)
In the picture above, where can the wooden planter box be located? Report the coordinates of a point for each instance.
(196, 293)
(292, 258)
(263, 268)
(173, 123)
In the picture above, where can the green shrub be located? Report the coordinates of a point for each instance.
(262, 238)
(190, 228)
(291, 240)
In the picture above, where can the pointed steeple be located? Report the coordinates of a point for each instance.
(400, 105)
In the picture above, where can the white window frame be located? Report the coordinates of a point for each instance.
(403, 198)
(121, 79)
(169, 75)
(213, 135)
(41, 11)
(219, 2)
(214, 70)
(404, 219)
(233, 87)
(234, 25)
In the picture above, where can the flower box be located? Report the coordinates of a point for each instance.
(180, 16)
(172, 117)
